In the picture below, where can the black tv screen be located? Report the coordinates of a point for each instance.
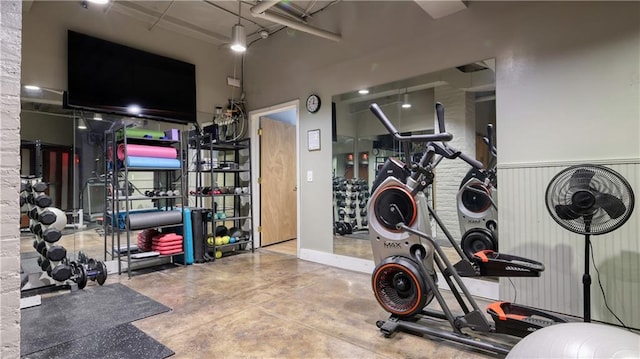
(109, 77)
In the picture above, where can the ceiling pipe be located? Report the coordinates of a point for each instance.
(263, 6)
(260, 11)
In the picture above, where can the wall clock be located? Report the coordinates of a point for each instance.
(313, 103)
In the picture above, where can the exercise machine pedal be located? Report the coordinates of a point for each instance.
(495, 264)
(520, 320)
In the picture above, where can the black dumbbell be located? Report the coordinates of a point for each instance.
(61, 272)
(51, 235)
(352, 205)
(352, 214)
(362, 204)
(41, 248)
(349, 228)
(45, 265)
(363, 212)
(36, 228)
(42, 200)
(47, 217)
(33, 213)
(56, 253)
(39, 187)
(364, 222)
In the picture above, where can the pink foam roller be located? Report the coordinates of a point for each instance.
(147, 151)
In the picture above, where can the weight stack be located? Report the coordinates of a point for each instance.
(197, 228)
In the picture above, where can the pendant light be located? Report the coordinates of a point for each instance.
(81, 124)
(238, 36)
(405, 102)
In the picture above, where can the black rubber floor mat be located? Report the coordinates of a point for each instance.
(124, 341)
(70, 316)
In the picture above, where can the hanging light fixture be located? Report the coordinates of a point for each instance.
(405, 102)
(238, 36)
(81, 124)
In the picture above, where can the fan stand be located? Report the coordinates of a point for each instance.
(586, 277)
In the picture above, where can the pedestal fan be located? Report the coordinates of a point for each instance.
(591, 200)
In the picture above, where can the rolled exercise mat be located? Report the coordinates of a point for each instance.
(141, 133)
(188, 236)
(197, 234)
(153, 219)
(152, 162)
(147, 151)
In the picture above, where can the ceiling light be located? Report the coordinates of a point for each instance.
(363, 91)
(134, 109)
(405, 103)
(32, 87)
(97, 116)
(100, 2)
(238, 36)
(81, 124)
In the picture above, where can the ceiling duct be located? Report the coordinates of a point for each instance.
(260, 10)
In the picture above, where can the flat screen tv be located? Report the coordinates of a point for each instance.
(107, 77)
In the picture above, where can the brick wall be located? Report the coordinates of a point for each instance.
(459, 114)
(10, 56)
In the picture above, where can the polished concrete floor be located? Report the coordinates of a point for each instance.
(269, 304)
(273, 305)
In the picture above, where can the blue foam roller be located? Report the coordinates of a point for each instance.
(188, 236)
(150, 162)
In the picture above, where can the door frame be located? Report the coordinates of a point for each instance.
(254, 125)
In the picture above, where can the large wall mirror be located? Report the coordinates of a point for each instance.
(65, 149)
(362, 145)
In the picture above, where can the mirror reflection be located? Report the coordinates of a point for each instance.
(362, 144)
(64, 148)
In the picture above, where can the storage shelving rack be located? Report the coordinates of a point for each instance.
(229, 185)
(119, 196)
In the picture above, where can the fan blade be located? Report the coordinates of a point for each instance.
(580, 179)
(611, 204)
(566, 212)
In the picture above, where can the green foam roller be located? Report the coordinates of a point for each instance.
(141, 133)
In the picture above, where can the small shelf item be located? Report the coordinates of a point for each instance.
(219, 182)
(144, 195)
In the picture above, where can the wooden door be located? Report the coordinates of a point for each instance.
(278, 212)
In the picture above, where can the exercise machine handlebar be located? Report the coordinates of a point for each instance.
(443, 136)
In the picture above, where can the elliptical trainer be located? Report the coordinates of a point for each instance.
(406, 255)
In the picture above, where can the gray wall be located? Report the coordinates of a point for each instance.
(10, 35)
(567, 76)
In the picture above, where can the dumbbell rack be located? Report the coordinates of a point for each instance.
(222, 185)
(47, 223)
(167, 194)
(350, 205)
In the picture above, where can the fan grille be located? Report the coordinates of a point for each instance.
(589, 199)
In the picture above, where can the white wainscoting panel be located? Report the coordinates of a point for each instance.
(528, 230)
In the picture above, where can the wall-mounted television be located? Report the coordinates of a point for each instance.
(107, 77)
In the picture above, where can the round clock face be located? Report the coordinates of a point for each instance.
(313, 103)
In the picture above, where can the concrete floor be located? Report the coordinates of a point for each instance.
(273, 305)
(270, 304)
